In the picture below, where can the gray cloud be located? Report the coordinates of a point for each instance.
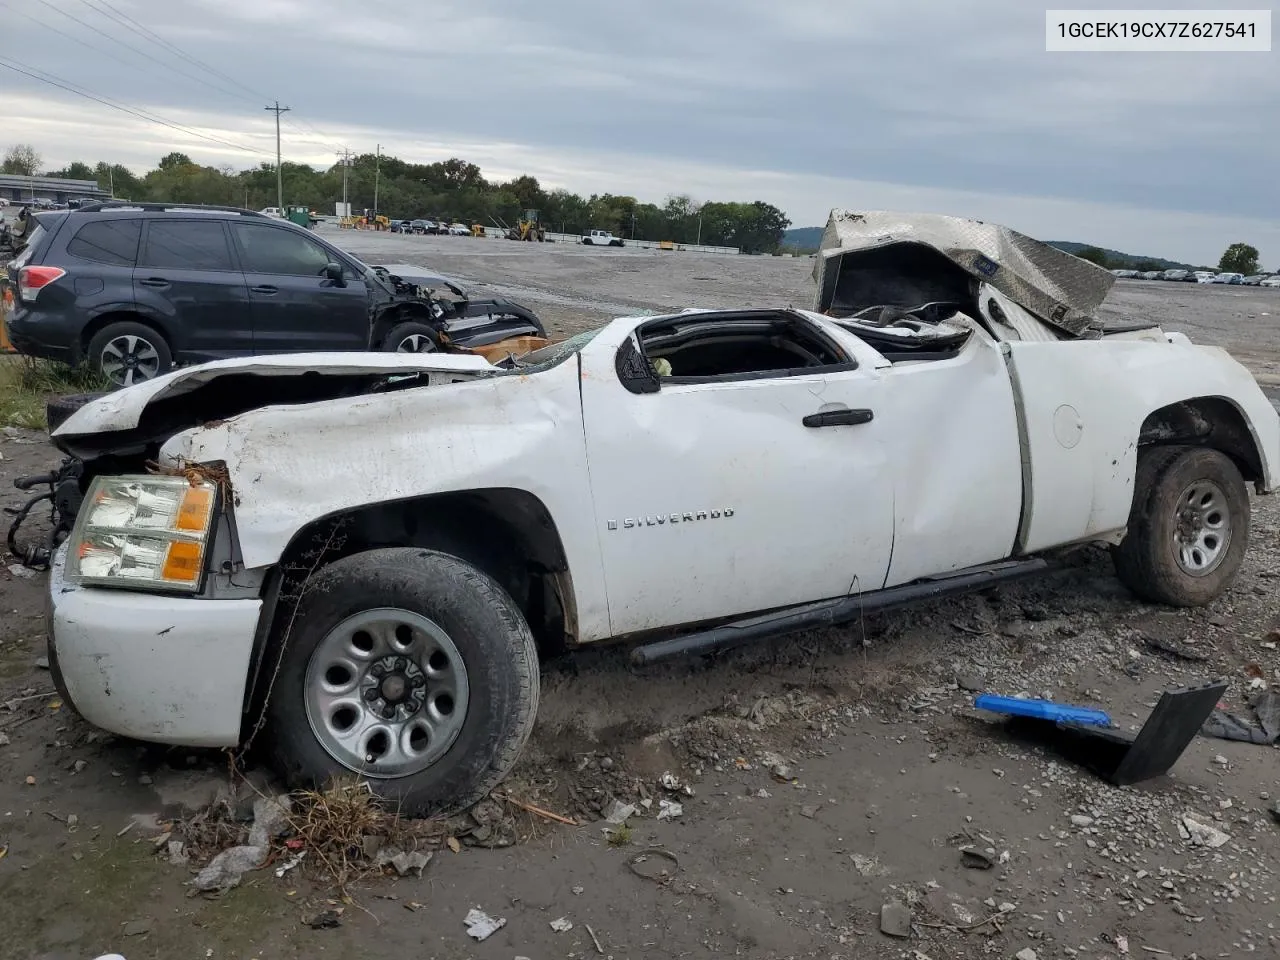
(959, 98)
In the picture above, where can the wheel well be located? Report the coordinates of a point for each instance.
(507, 533)
(1206, 422)
(120, 316)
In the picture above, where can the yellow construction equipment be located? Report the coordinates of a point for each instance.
(477, 229)
(528, 228)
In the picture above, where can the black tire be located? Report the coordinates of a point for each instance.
(491, 636)
(1150, 560)
(57, 410)
(143, 334)
(414, 330)
(587, 241)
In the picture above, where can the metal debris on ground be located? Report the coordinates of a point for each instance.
(669, 810)
(1113, 754)
(562, 925)
(1228, 726)
(481, 926)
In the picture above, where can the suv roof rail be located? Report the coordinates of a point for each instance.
(167, 207)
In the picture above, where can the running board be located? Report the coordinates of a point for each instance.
(827, 613)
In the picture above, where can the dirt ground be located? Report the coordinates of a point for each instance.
(832, 772)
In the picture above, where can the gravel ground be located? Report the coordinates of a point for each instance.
(574, 287)
(830, 774)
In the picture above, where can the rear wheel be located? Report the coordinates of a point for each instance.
(1188, 529)
(127, 353)
(410, 669)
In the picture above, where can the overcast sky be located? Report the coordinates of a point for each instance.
(950, 106)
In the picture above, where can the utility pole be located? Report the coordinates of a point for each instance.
(346, 166)
(111, 181)
(277, 110)
(377, 164)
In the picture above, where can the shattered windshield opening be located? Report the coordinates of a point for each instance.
(553, 353)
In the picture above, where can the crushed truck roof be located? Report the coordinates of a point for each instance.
(871, 257)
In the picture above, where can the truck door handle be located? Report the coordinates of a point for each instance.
(154, 282)
(838, 418)
(265, 288)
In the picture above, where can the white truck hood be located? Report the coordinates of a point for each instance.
(122, 409)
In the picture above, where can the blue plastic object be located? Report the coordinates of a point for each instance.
(1043, 710)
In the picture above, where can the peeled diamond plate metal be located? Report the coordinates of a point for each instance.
(1060, 289)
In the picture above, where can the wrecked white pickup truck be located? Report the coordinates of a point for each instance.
(363, 554)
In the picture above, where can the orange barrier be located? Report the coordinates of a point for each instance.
(6, 306)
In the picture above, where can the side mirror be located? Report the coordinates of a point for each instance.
(333, 271)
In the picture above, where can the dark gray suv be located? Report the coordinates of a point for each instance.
(133, 289)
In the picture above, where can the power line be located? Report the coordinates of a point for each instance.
(126, 21)
(52, 80)
(142, 53)
(147, 33)
(62, 33)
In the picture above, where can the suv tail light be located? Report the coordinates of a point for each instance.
(31, 280)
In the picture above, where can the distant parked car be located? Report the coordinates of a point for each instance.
(1175, 274)
(1226, 277)
(1272, 281)
(1205, 276)
(1253, 280)
(603, 238)
(1126, 274)
(422, 226)
(459, 230)
(401, 226)
(1150, 274)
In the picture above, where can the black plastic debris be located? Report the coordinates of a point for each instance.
(1228, 726)
(1120, 757)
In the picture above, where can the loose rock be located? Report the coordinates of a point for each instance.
(895, 919)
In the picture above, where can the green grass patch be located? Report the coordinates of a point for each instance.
(26, 384)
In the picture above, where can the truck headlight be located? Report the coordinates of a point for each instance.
(143, 532)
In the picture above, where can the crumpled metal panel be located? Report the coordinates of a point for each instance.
(1060, 289)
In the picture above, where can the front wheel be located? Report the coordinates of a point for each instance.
(411, 670)
(1188, 528)
(412, 337)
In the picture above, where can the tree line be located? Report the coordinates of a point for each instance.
(1237, 258)
(451, 190)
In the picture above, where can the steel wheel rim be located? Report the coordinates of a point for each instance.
(129, 359)
(416, 343)
(1202, 528)
(386, 693)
